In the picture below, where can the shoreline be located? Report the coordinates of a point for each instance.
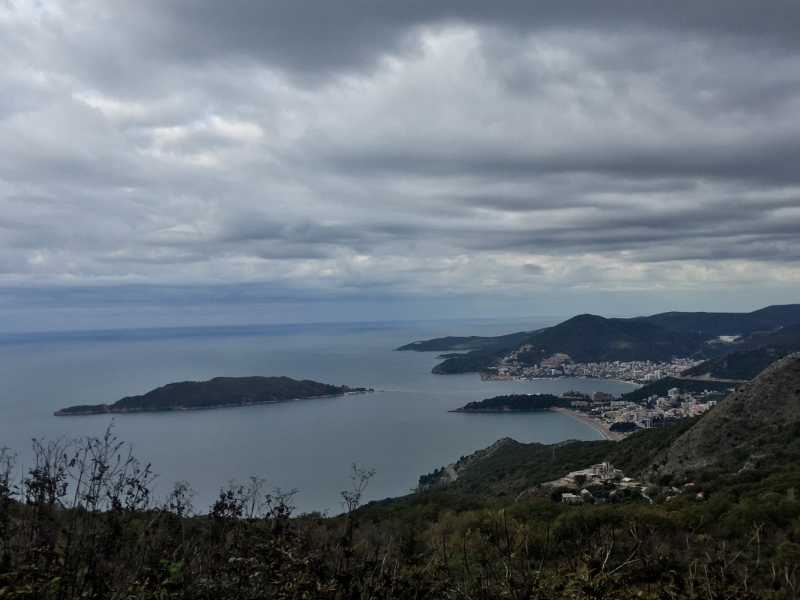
(596, 423)
(557, 378)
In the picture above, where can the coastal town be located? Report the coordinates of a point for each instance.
(561, 365)
(614, 417)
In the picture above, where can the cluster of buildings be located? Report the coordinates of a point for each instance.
(561, 365)
(654, 411)
(595, 475)
(605, 473)
(651, 412)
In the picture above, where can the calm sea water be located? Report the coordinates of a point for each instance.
(309, 445)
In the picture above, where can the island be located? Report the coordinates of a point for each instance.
(217, 393)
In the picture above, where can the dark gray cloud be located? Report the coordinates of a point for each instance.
(451, 149)
(351, 34)
(532, 269)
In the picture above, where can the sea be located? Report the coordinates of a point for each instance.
(400, 432)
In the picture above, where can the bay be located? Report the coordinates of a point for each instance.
(401, 432)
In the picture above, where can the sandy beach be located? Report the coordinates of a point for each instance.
(596, 423)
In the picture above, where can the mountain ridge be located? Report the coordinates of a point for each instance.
(592, 338)
(769, 317)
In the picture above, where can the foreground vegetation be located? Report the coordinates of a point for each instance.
(82, 523)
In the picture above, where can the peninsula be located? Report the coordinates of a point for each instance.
(216, 393)
(517, 402)
(527, 402)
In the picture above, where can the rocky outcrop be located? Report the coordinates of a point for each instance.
(770, 400)
(455, 470)
(467, 462)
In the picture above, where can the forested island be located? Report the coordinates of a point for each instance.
(516, 402)
(216, 393)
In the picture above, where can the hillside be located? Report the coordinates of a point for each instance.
(509, 468)
(591, 338)
(757, 339)
(765, 405)
(218, 392)
(662, 386)
(469, 363)
(743, 365)
(758, 425)
(474, 343)
(588, 338)
(754, 353)
(770, 317)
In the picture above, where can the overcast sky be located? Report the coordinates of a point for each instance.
(198, 161)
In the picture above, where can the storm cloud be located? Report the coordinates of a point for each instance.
(403, 151)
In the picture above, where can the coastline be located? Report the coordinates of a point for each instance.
(509, 378)
(596, 423)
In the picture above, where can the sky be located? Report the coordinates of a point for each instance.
(201, 162)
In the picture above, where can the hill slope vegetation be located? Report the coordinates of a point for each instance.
(767, 318)
(473, 343)
(764, 405)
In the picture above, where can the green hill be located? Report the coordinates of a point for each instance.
(756, 339)
(770, 317)
(743, 365)
(218, 392)
(474, 343)
(590, 338)
(752, 355)
(469, 363)
(510, 468)
(768, 404)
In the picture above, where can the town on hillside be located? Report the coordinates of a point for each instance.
(561, 365)
(622, 416)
